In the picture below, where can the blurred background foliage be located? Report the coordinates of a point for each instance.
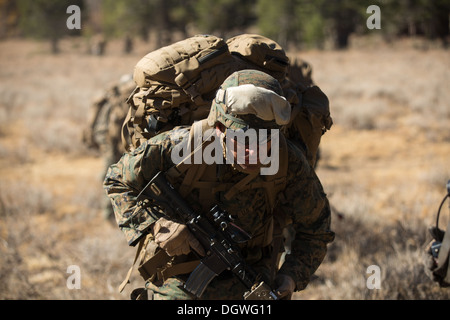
(292, 23)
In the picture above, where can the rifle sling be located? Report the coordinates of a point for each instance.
(126, 281)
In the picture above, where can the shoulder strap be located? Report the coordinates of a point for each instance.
(196, 132)
(272, 184)
(277, 183)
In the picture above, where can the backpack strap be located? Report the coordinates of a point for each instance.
(179, 169)
(127, 138)
(273, 184)
(278, 180)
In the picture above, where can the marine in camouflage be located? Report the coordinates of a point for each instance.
(102, 133)
(303, 201)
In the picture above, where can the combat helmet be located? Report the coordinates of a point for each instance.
(250, 98)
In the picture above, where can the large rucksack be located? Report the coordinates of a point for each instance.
(176, 84)
(106, 115)
(310, 117)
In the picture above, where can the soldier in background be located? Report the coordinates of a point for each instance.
(97, 45)
(103, 132)
(437, 252)
(128, 44)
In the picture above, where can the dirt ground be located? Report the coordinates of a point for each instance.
(384, 165)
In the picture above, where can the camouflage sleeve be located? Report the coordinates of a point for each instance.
(307, 205)
(126, 179)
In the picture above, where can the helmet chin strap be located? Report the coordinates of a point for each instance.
(224, 149)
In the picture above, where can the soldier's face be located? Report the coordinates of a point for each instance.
(245, 147)
(250, 150)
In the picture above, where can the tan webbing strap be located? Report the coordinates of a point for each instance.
(206, 185)
(194, 171)
(191, 47)
(278, 181)
(186, 185)
(197, 130)
(126, 142)
(198, 174)
(139, 114)
(178, 170)
(151, 266)
(163, 59)
(277, 244)
(176, 98)
(161, 265)
(177, 269)
(173, 54)
(139, 99)
(273, 184)
(138, 253)
(184, 77)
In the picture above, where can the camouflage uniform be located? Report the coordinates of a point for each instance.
(104, 127)
(303, 201)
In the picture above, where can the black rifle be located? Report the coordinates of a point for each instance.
(218, 235)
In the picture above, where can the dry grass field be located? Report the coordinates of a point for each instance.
(384, 165)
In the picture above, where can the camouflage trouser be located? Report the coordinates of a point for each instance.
(111, 154)
(172, 289)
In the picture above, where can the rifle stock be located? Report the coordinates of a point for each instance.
(218, 235)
